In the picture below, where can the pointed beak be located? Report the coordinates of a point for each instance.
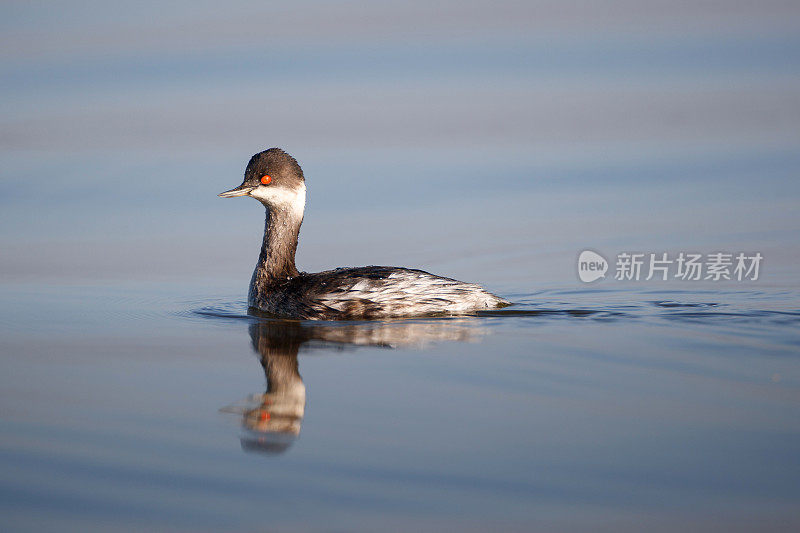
(241, 190)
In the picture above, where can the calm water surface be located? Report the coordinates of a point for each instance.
(487, 141)
(142, 407)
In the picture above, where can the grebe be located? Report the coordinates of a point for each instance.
(277, 288)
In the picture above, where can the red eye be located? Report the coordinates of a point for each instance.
(266, 179)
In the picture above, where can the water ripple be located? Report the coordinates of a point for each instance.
(624, 306)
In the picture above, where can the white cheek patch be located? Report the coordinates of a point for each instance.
(294, 200)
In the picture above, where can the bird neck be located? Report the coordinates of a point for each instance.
(276, 261)
(282, 375)
(278, 344)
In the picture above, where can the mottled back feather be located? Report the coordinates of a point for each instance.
(372, 292)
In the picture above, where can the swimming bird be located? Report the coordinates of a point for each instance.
(277, 288)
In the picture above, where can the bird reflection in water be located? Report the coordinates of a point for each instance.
(271, 421)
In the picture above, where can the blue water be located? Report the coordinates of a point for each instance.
(490, 143)
(572, 407)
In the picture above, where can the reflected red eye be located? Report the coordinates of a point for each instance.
(266, 179)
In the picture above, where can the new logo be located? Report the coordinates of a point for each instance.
(591, 266)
